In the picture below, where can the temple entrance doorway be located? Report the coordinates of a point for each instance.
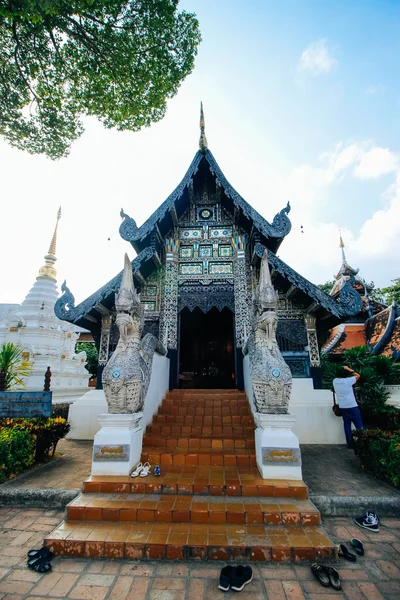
(206, 349)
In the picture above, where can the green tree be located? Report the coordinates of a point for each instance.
(13, 366)
(119, 60)
(327, 286)
(92, 356)
(377, 295)
(392, 292)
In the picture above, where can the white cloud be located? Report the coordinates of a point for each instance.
(371, 90)
(317, 59)
(376, 162)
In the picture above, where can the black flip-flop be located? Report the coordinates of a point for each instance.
(41, 553)
(333, 578)
(358, 546)
(42, 566)
(320, 574)
(344, 553)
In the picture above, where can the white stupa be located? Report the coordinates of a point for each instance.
(47, 341)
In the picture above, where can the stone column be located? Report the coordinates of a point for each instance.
(169, 325)
(103, 348)
(315, 361)
(242, 317)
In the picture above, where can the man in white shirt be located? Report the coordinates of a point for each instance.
(346, 400)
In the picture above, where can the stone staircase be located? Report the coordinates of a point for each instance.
(209, 502)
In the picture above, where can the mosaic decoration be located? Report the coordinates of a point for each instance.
(191, 268)
(151, 290)
(186, 252)
(312, 341)
(205, 214)
(224, 251)
(242, 317)
(220, 268)
(206, 251)
(220, 232)
(126, 376)
(104, 339)
(191, 234)
(271, 376)
(169, 322)
(148, 305)
(205, 297)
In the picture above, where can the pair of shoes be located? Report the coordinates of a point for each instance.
(344, 553)
(39, 560)
(358, 546)
(235, 578)
(370, 521)
(142, 470)
(327, 576)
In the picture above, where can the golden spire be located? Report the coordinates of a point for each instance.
(341, 245)
(48, 271)
(203, 140)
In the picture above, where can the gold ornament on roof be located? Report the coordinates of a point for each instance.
(203, 140)
(48, 271)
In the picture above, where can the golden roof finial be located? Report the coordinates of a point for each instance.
(203, 140)
(48, 271)
(341, 245)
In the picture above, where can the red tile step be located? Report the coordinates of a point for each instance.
(180, 457)
(203, 480)
(180, 541)
(192, 509)
(195, 443)
(224, 431)
(204, 420)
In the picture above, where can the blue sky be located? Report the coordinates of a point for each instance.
(302, 103)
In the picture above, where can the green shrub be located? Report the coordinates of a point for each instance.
(17, 452)
(46, 432)
(379, 453)
(60, 410)
(388, 418)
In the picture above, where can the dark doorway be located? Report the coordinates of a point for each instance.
(206, 353)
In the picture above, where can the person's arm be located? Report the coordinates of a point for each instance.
(356, 375)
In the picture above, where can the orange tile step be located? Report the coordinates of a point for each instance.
(204, 420)
(195, 444)
(206, 403)
(276, 543)
(224, 431)
(203, 480)
(185, 457)
(192, 509)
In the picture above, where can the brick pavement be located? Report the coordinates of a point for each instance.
(373, 577)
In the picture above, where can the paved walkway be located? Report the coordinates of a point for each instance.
(327, 469)
(373, 577)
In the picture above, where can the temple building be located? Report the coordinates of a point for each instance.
(46, 340)
(376, 326)
(197, 266)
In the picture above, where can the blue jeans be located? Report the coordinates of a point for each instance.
(351, 415)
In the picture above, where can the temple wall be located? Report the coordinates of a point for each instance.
(159, 384)
(315, 421)
(394, 398)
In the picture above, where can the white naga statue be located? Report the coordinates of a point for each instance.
(271, 376)
(126, 376)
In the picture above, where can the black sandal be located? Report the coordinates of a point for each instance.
(42, 553)
(358, 546)
(333, 578)
(320, 574)
(344, 553)
(42, 566)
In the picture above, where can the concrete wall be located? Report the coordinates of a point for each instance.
(159, 384)
(394, 399)
(315, 421)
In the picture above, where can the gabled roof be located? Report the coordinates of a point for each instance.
(276, 230)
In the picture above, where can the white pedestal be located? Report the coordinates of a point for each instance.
(83, 415)
(118, 445)
(277, 447)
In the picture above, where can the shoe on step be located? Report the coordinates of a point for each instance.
(320, 574)
(241, 577)
(334, 578)
(370, 522)
(225, 578)
(358, 546)
(344, 553)
(137, 470)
